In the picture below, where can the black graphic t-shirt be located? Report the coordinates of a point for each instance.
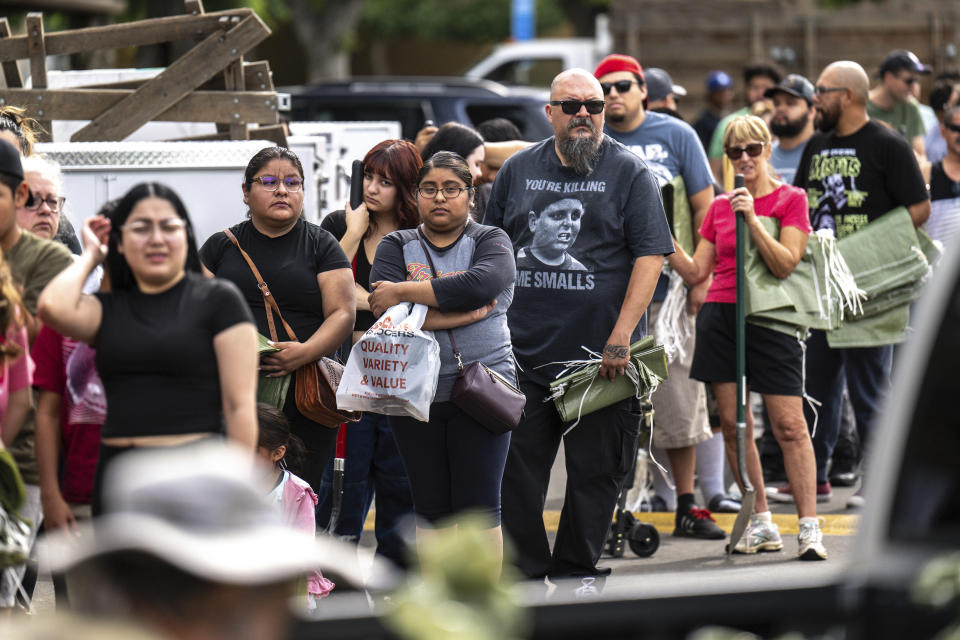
(575, 239)
(853, 180)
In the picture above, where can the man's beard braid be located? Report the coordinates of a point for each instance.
(581, 153)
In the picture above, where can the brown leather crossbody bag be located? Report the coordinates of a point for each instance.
(317, 381)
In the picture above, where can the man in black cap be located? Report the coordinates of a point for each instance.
(892, 100)
(661, 92)
(792, 123)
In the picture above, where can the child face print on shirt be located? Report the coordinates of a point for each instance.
(554, 230)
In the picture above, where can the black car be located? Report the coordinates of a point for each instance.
(414, 100)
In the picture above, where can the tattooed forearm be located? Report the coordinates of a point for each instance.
(616, 351)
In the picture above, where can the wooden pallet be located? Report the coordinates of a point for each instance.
(211, 82)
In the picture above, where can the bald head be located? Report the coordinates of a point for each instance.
(849, 74)
(576, 78)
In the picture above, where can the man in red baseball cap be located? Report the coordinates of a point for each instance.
(670, 148)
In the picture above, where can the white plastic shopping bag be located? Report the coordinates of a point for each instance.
(393, 368)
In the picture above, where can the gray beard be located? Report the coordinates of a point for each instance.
(580, 153)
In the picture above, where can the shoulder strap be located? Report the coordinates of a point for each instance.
(268, 301)
(433, 271)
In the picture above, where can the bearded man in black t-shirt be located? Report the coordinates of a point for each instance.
(855, 171)
(586, 270)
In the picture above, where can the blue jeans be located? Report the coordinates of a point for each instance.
(372, 467)
(867, 374)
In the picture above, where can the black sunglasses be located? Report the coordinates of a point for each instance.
(952, 127)
(753, 150)
(572, 107)
(622, 86)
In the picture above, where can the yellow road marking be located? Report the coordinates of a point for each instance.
(834, 525)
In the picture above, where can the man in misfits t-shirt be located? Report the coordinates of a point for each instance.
(855, 171)
(587, 265)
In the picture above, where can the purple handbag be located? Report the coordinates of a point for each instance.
(479, 390)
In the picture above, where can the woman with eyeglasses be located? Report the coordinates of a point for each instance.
(454, 463)
(374, 468)
(176, 351)
(774, 359)
(308, 276)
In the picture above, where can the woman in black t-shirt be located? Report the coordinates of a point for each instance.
(308, 276)
(176, 351)
(374, 466)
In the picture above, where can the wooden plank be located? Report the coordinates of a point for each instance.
(38, 70)
(193, 7)
(234, 80)
(188, 72)
(198, 106)
(11, 72)
(257, 77)
(275, 133)
(129, 34)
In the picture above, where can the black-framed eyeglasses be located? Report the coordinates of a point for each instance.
(54, 204)
(272, 183)
(952, 127)
(572, 107)
(819, 90)
(448, 192)
(622, 86)
(753, 150)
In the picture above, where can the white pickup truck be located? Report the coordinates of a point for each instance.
(536, 62)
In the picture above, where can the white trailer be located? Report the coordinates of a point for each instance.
(208, 175)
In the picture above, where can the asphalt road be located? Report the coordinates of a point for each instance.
(678, 561)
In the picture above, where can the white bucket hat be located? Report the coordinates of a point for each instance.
(203, 509)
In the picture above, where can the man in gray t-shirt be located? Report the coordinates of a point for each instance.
(792, 123)
(596, 300)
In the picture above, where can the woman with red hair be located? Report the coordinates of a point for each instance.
(373, 464)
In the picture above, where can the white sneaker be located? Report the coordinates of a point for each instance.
(761, 535)
(810, 540)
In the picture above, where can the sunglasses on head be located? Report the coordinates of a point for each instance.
(572, 107)
(622, 86)
(952, 127)
(753, 150)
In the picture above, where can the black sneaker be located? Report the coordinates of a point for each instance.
(698, 523)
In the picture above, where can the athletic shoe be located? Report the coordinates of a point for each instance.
(698, 523)
(856, 501)
(721, 503)
(810, 540)
(759, 536)
(784, 494)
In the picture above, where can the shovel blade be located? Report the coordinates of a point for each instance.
(743, 518)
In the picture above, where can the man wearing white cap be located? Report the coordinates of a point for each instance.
(190, 546)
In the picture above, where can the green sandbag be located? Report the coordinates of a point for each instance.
(272, 391)
(12, 491)
(876, 331)
(885, 254)
(797, 302)
(679, 215)
(584, 392)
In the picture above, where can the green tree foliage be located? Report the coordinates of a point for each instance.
(461, 20)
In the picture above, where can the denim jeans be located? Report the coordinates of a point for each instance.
(867, 374)
(372, 468)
